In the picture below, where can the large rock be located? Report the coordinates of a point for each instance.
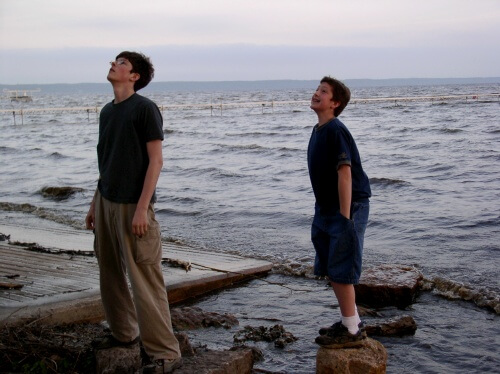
(452, 290)
(118, 360)
(59, 193)
(276, 334)
(397, 326)
(371, 358)
(218, 362)
(184, 344)
(389, 285)
(190, 318)
(128, 359)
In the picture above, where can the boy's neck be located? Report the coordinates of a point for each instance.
(122, 92)
(323, 119)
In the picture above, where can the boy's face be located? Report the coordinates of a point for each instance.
(120, 71)
(321, 101)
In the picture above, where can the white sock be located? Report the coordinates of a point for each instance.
(351, 323)
(356, 314)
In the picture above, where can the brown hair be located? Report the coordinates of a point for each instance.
(141, 65)
(341, 94)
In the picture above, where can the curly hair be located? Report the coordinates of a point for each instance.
(141, 65)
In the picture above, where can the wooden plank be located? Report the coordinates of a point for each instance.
(64, 288)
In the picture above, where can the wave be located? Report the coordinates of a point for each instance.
(493, 222)
(48, 214)
(254, 134)
(452, 290)
(387, 182)
(175, 212)
(450, 131)
(242, 147)
(57, 155)
(211, 171)
(185, 200)
(8, 150)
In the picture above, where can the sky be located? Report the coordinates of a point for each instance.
(72, 41)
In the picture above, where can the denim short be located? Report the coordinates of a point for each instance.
(338, 242)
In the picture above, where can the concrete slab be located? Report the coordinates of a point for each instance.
(64, 287)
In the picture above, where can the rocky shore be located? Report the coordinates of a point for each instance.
(68, 348)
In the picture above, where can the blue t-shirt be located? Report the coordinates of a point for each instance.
(124, 130)
(330, 146)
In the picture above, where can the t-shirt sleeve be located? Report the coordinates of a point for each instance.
(341, 144)
(153, 121)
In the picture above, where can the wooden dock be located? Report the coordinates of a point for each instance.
(43, 277)
(219, 107)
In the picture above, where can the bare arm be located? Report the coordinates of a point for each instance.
(140, 220)
(345, 190)
(90, 218)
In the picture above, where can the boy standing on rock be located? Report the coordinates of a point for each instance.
(127, 235)
(342, 192)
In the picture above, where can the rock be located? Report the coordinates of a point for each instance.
(59, 193)
(364, 311)
(389, 285)
(369, 359)
(398, 326)
(190, 318)
(118, 360)
(449, 289)
(276, 333)
(256, 352)
(289, 267)
(218, 362)
(184, 344)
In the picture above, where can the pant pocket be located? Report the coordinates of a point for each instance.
(148, 248)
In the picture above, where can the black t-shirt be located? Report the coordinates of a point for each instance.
(124, 130)
(330, 146)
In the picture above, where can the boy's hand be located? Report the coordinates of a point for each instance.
(90, 218)
(140, 222)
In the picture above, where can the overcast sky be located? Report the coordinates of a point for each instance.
(71, 41)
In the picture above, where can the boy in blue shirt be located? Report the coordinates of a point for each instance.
(342, 192)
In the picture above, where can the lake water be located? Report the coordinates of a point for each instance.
(236, 181)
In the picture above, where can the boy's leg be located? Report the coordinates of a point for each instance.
(346, 297)
(118, 306)
(347, 302)
(143, 260)
(345, 293)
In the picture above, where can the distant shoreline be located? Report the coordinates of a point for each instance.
(173, 86)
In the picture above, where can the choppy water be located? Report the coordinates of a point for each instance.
(237, 181)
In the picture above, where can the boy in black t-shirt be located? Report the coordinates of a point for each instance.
(342, 191)
(127, 235)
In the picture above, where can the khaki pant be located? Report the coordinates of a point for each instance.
(120, 252)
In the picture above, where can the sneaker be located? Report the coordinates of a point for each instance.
(336, 325)
(340, 337)
(110, 341)
(162, 366)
